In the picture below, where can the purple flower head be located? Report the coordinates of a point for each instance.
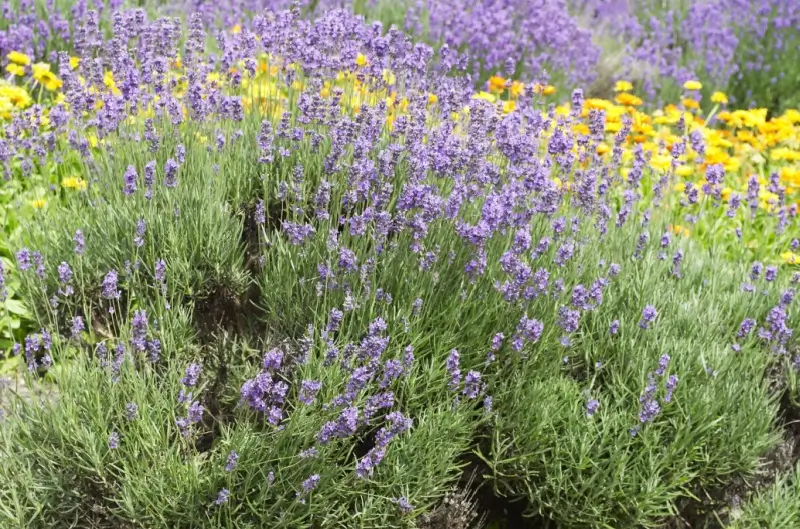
(232, 462)
(472, 384)
(592, 406)
(113, 441)
(223, 496)
(403, 505)
(613, 328)
(130, 178)
(672, 382)
(614, 269)
(663, 363)
(80, 242)
(24, 260)
(131, 411)
(771, 274)
(161, 271)
(453, 370)
(755, 271)
(344, 426)
(260, 214)
(110, 286)
(310, 483)
(192, 374)
(649, 314)
(77, 327)
(171, 173)
(273, 360)
(747, 326)
(308, 391)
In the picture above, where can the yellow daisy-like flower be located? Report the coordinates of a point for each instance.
(19, 58)
(74, 182)
(236, 29)
(361, 59)
(690, 103)
(623, 86)
(496, 84)
(517, 89)
(629, 100)
(544, 90)
(432, 99)
(693, 85)
(74, 62)
(677, 229)
(790, 258)
(15, 69)
(719, 97)
(486, 96)
(38, 204)
(509, 106)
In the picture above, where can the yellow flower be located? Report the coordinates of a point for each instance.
(38, 204)
(486, 96)
(623, 86)
(236, 29)
(361, 59)
(432, 99)
(544, 90)
(602, 148)
(19, 58)
(677, 229)
(74, 182)
(690, 103)
(15, 69)
(509, 106)
(624, 98)
(74, 62)
(517, 89)
(693, 85)
(660, 162)
(684, 170)
(719, 97)
(389, 78)
(790, 257)
(496, 84)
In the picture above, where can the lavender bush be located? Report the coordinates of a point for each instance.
(313, 282)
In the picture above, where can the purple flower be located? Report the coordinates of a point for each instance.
(755, 271)
(308, 391)
(453, 370)
(592, 406)
(192, 374)
(747, 326)
(472, 384)
(260, 213)
(233, 461)
(110, 286)
(663, 363)
(310, 483)
(77, 327)
(24, 260)
(223, 496)
(649, 314)
(113, 441)
(771, 273)
(80, 242)
(649, 405)
(171, 173)
(273, 360)
(161, 271)
(344, 426)
(403, 505)
(672, 382)
(130, 178)
(614, 327)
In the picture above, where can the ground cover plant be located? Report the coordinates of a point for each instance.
(302, 272)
